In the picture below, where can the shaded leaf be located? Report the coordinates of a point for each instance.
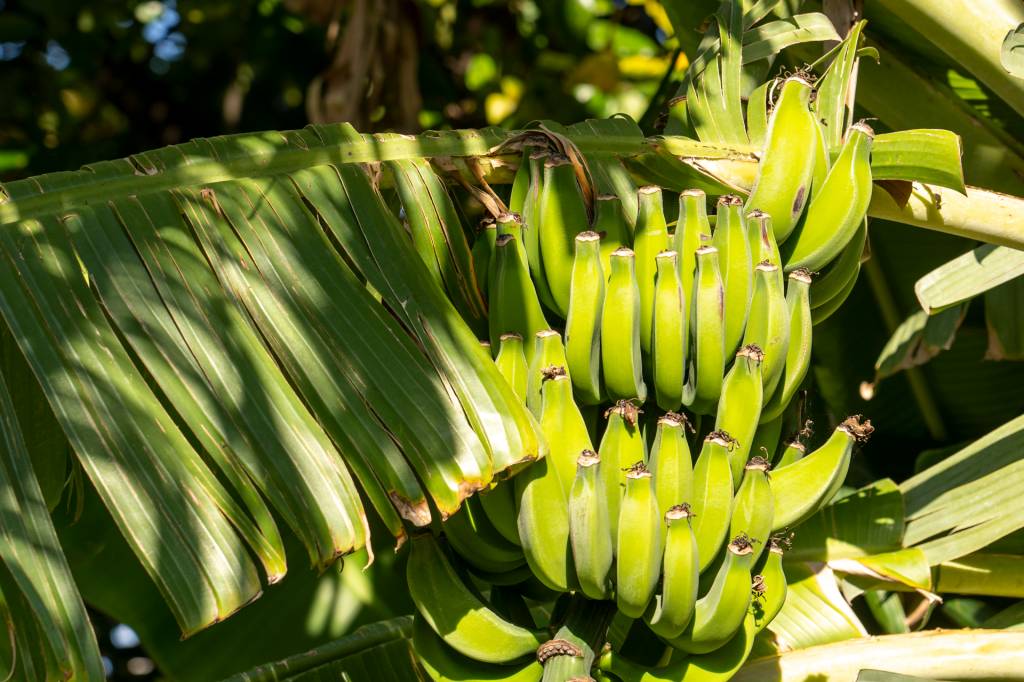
(918, 339)
(48, 616)
(868, 521)
(983, 574)
(1004, 319)
(928, 156)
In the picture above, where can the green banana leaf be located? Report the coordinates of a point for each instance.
(942, 654)
(815, 612)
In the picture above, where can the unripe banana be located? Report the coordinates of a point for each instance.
(673, 609)
(543, 524)
(548, 351)
(753, 506)
(740, 406)
(708, 333)
(649, 239)
(444, 664)
(794, 450)
(499, 504)
(478, 542)
(620, 330)
(512, 223)
(531, 213)
(583, 326)
(670, 334)
(514, 307)
(610, 223)
(720, 613)
(712, 490)
(693, 230)
(511, 361)
(640, 544)
(761, 237)
(520, 184)
(838, 273)
(829, 308)
(454, 612)
(766, 438)
(621, 446)
(803, 487)
(483, 255)
(786, 170)
(670, 462)
(563, 215)
(768, 326)
(734, 260)
(838, 209)
(562, 425)
(798, 350)
(770, 594)
(590, 530)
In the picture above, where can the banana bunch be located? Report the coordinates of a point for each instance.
(639, 318)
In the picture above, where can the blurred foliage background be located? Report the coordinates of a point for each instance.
(107, 78)
(86, 81)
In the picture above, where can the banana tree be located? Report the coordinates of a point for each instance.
(244, 348)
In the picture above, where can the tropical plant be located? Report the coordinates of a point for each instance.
(222, 354)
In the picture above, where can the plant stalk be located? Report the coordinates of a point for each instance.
(585, 629)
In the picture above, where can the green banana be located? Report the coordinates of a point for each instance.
(514, 307)
(456, 613)
(740, 406)
(483, 254)
(512, 223)
(474, 538)
(620, 330)
(548, 351)
(838, 209)
(563, 215)
(693, 230)
(761, 237)
(511, 361)
(753, 507)
(610, 223)
(826, 310)
(649, 239)
(640, 544)
(720, 613)
(712, 490)
(719, 665)
(766, 438)
(794, 450)
(670, 334)
(768, 326)
(672, 610)
(531, 213)
(444, 664)
(499, 504)
(707, 364)
(833, 280)
(590, 528)
(786, 170)
(734, 259)
(543, 524)
(583, 325)
(670, 462)
(562, 425)
(621, 445)
(801, 488)
(798, 351)
(772, 584)
(520, 184)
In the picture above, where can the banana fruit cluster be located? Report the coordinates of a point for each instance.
(599, 326)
